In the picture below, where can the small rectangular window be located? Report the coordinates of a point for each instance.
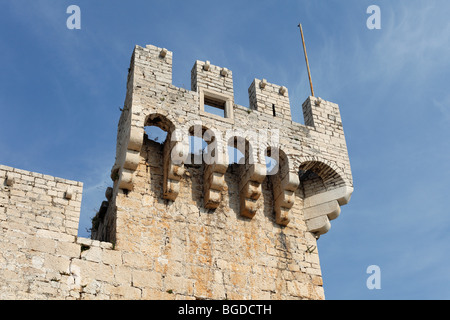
(273, 110)
(214, 106)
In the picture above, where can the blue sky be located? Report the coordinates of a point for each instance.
(61, 90)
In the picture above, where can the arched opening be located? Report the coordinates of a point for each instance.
(276, 162)
(324, 191)
(317, 177)
(199, 139)
(157, 133)
(205, 166)
(271, 165)
(197, 148)
(235, 155)
(244, 177)
(239, 158)
(280, 184)
(239, 151)
(158, 128)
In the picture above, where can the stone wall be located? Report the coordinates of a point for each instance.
(38, 227)
(191, 253)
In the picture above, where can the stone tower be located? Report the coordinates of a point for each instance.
(179, 224)
(202, 227)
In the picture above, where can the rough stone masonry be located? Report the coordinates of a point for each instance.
(173, 228)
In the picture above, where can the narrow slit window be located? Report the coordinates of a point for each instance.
(273, 110)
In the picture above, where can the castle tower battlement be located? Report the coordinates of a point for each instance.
(299, 197)
(153, 100)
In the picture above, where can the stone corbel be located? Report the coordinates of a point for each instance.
(216, 164)
(320, 209)
(214, 183)
(126, 179)
(132, 158)
(284, 195)
(250, 189)
(173, 170)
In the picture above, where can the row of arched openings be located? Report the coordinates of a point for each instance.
(314, 175)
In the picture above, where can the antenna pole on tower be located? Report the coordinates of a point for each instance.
(306, 59)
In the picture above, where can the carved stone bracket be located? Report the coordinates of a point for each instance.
(132, 158)
(319, 209)
(284, 195)
(173, 172)
(250, 189)
(214, 183)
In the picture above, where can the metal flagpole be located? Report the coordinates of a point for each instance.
(306, 59)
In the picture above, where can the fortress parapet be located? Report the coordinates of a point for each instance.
(310, 158)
